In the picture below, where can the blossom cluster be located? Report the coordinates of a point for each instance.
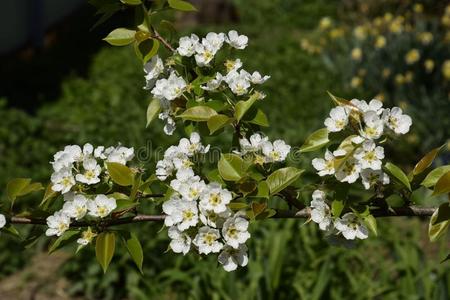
(264, 151)
(202, 53)
(349, 225)
(76, 169)
(197, 213)
(359, 155)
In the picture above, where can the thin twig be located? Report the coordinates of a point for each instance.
(281, 214)
(162, 40)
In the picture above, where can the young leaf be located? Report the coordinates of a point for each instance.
(397, 173)
(260, 119)
(104, 249)
(120, 174)
(282, 178)
(66, 238)
(134, 248)
(231, 167)
(16, 186)
(217, 122)
(435, 231)
(120, 37)
(198, 113)
(371, 223)
(442, 185)
(49, 194)
(443, 213)
(434, 176)
(338, 100)
(181, 5)
(315, 141)
(336, 207)
(131, 2)
(426, 161)
(263, 190)
(258, 208)
(146, 49)
(242, 107)
(153, 110)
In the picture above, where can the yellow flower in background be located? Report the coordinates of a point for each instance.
(399, 79)
(412, 56)
(325, 23)
(356, 54)
(360, 32)
(445, 20)
(418, 8)
(446, 69)
(429, 65)
(409, 76)
(380, 97)
(425, 37)
(380, 42)
(378, 21)
(386, 72)
(355, 82)
(388, 17)
(336, 33)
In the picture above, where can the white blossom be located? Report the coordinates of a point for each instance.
(238, 82)
(233, 65)
(338, 119)
(101, 206)
(207, 240)
(186, 45)
(57, 224)
(164, 168)
(237, 41)
(254, 144)
(349, 171)
(371, 177)
(278, 151)
(179, 212)
(192, 145)
(214, 41)
(235, 230)
(373, 128)
(153, 69)
(76, 208)
(86, 237)
(211, 219)
(215, 198)
(2, 221)
(370, 155)
(256, 78)
(320, 212)
(119, 154)
(62, 180)
(180, 241)
(396, 120)
(231, 258)
(374, 105)
(324, 166)
(351, 227)
(192, 190)
(91, 172)
(213, 84)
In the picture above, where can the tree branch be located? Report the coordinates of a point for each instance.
(412, 211)
(162, 40)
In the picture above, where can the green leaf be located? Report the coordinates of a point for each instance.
(104, 249)
(282, 178)
(371, 223)
(134, 248)
(242, 107)
(49, 194)
(181, 5)
(263, 190)
(398, 174)
(231, 167)
(260, 119)
(336, 207)
(198, 113)
(315, 141)
(153, 110)
(443, 213)
(146, 49)
(120, 37)
(15, 187)
(131, 2)
(435, 231)
(66, 238)
(434, 176)
(442, 185)
(426, 161)
(247, 187)
(217, 122)
(235, 205)
(338, 100)
(120, 174)
(258, 208)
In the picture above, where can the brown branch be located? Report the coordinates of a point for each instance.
(162, 40)
(281, 214)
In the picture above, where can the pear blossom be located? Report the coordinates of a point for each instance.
(86, 237)
(91, 172)
(351, 227)
(186, 45)
(238, 83)
(207, 240)
(256, 78)
(76, 208)
(101, 206)
(230, 258)
(2, 221)
(153, 69)
(164, 168)
(211, 219)
(254, 144)
(62, 181)
(192, 190)
(66, 158)
(183, 177)
(214, 41)
(119, 154)
(236, 41)
(170, 125)
(99, 152)
(192, 145)
(370, 155)
(320, 212)
(57, 224)
(325, 166)
(278, 151)
(373, 128)
(235, 230)
(215, 198)
(233, 65)
(396, 120)
(349, 171)
(180, 241)
(181, 213)
(203, 54)
(374, 105)
(371, 177)
(213, 84)
(338, 119)
(169, 88)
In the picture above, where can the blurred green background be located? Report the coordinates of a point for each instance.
(76, 89)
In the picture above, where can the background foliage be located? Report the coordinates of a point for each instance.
(288, 260)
